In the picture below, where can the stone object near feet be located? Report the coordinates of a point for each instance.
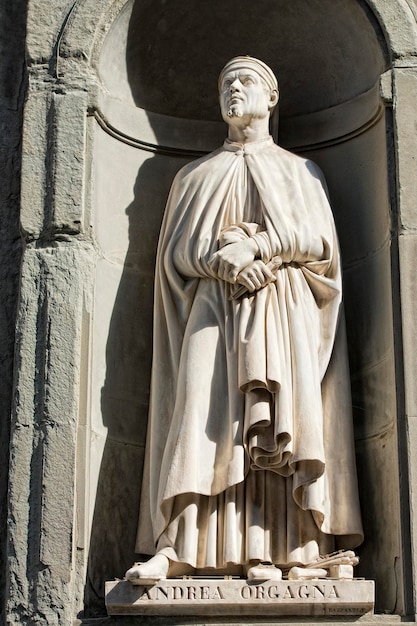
(342, 572)
(337, 565)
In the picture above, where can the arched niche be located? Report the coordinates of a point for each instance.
(157, 109)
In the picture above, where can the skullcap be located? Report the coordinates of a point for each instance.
(247, 62)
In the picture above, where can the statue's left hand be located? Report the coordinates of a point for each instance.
(256, 276)
(233, 258)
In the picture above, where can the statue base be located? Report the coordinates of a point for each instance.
(221, 597)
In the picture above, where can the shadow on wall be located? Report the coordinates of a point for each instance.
(12, 96)
(125, 394)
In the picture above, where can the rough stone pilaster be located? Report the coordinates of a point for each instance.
(54, 310)
(53, 323)
(405, 137)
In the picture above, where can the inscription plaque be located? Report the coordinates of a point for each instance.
(237, 596)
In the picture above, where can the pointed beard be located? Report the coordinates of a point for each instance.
(234, 112)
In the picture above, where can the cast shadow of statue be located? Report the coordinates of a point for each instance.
(125, 393)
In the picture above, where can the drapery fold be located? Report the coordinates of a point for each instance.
(243, 386)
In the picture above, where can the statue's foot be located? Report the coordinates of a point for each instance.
(263, 571)
(148, 573)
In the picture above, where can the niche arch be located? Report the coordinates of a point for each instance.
(140, 138)
(86, 27)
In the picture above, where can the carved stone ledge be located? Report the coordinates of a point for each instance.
(236, 597)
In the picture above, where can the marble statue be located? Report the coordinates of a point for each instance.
(250, 461)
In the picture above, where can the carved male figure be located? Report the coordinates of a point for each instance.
(249, 452)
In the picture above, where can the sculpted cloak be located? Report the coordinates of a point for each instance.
(250, 450)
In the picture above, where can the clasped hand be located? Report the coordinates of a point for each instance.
(255, 276)
(235, 263)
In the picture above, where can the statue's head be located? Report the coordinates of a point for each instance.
(247, 86)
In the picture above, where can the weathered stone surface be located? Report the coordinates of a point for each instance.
(237, 597)
(400, 31)
(405, 94)
(55, 304)
(44, 24)
(83, 35)
(407, 255)
(53, 165)
(34, 149)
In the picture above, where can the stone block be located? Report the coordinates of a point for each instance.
(42, 27)
(237, 597)
(53, 164)
(33, 164)
(400, 16)
(55, 300)
(342, 572)
(405, 94)
(407, 259)
(67, 130)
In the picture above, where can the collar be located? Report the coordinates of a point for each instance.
(247, 148)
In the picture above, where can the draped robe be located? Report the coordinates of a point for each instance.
(249, 449)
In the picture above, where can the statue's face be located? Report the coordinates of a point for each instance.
(244, 93)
